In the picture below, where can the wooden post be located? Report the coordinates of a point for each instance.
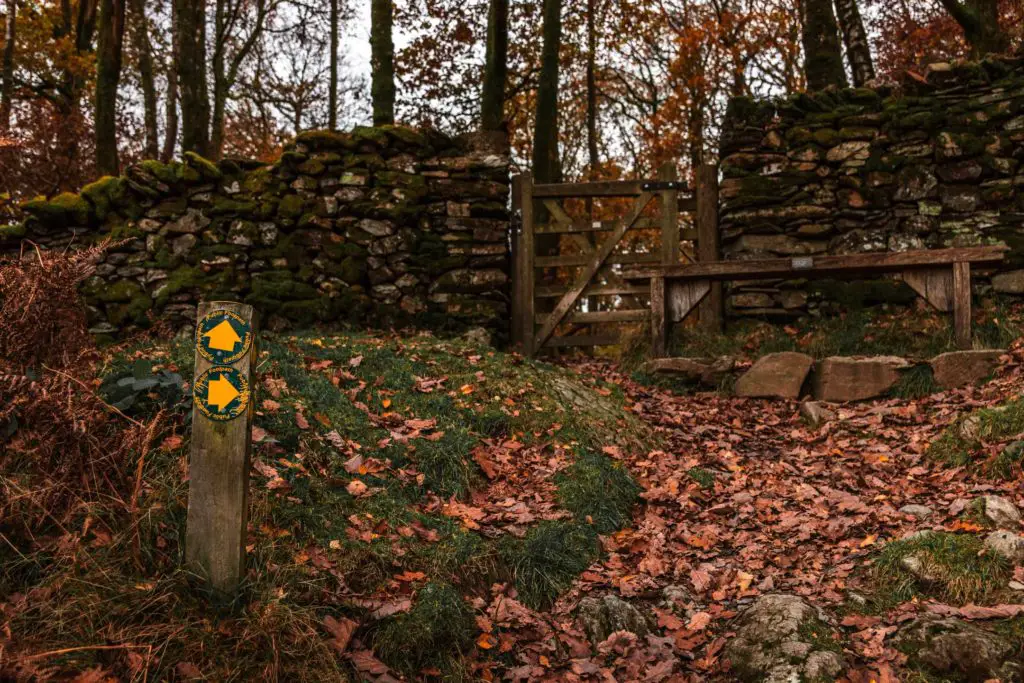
(962, 304)
(711, 310)
(221, 443)
(525, 272)
(659, 319)
(515, 241)
(669, 216)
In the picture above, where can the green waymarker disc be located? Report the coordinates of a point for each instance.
(223, 337)
(221, 393)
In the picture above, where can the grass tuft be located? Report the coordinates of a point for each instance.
(917, 382)
(953, 566)
(548, 559)
(961, 441)
(704, 478)
(435, 633)
(598, 491)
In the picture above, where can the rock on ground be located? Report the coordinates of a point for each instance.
(1001, 512)
(478, 335)
(783, 638)
(918, 511)
(841, 378)
(957, 648)
(777, 375)
(816, 413)
(960, 368)
(708, 371)
(600, 617)
(1006, 544)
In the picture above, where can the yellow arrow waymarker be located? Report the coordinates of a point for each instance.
(221, 393)
(223, 337)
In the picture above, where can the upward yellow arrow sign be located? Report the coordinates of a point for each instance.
(223, 337)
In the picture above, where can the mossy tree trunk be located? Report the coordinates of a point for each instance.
(382, 62)
(7, 66)
(110, 40)
(546, 165)
(858, 49)
(980, 21)
(332, 87)
(823, 59)
(492, 101)
(140, 33)
(195, 99)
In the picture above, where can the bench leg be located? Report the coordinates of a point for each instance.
(962, 304)
(659, 329)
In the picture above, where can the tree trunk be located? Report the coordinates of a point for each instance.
(823, 60)
(141, 30)
(108, 75)
(220, 86)
(980, 21)
(858, 50)
(492, 101)
(7, 67)
(171, 103)
(592, 152)
(195, 100)
(332, 88)
(546, 167)
(382, 62)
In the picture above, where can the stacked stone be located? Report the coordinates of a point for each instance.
(381, 226)
(932, 163)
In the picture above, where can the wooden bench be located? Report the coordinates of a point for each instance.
(940, 276)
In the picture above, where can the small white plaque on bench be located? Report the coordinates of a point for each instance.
(803, 262)
(597, 224)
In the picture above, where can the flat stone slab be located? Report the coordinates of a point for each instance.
(777, 375)
(961, 368)
(856, 378)
(707, 371)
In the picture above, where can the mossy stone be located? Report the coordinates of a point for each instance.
(324, 139)
(369, 134)
(66, 209)
(409, 136)
(312, 167)
(281, 285)
(15, 231)
(291, 206)
(207, 169)
(165, 173)
(118, 292)
(103, 194)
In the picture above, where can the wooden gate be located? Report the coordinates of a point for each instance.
(573, 285)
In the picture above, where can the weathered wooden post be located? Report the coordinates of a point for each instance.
(221, 443)
(711, 310)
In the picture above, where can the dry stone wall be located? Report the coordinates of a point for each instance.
(933, 162)
(380, 226)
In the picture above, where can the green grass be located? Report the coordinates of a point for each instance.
(598, 491)
(549, 558)
(960, 443)
(435, 633)
(958, 570)
(312, 539)
(704, 478)
(917, 382)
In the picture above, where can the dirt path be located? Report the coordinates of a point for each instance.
(746, 499)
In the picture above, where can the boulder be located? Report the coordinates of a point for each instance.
(960, 368)
(959, 650)
(783, 638)
(840, 378)
(777, 375)
(1006, 544)
(1000, 512)
(707, 371)
(600, 617)
(1009, 283)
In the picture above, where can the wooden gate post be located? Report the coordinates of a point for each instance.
(711, 309)
(525, 273)
(669, 216)
(221, 443)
